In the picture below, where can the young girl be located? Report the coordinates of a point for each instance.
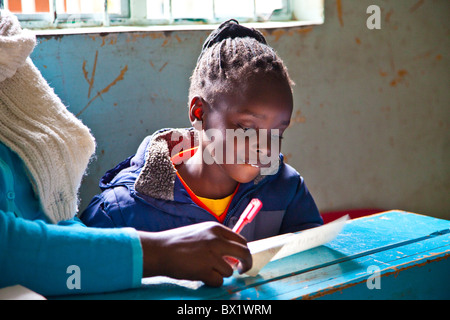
(240, 89)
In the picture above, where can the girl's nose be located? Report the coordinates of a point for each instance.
(263, 146)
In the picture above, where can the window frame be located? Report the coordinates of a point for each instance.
(134, 14)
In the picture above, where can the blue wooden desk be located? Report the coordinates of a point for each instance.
(391, 255)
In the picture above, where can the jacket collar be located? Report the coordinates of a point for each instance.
(157, 177)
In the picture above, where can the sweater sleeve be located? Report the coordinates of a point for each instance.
(67, 258)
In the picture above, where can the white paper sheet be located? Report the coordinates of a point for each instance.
(19, 292)
(265, 250)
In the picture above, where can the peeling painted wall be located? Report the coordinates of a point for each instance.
(370, 126)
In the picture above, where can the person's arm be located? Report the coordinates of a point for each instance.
(67, 259)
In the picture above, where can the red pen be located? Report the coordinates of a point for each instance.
(246, 217)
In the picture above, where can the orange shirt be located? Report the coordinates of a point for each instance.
(217, 207)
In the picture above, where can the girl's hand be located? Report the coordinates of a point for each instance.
(194, 252)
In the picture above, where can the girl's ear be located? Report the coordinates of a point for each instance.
(196, 108)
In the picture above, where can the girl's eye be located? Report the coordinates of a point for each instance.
(243, 128)
(277, 137)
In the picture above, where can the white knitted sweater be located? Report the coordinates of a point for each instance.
(55, 146)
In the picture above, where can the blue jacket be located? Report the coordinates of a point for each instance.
(40, 255)
(145, 193)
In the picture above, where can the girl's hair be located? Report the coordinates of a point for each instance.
(231, 55)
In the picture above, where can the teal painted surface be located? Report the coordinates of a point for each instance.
(411, 251)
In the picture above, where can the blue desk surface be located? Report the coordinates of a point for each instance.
(398, 254)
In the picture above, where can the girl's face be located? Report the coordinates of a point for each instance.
(243, 132)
